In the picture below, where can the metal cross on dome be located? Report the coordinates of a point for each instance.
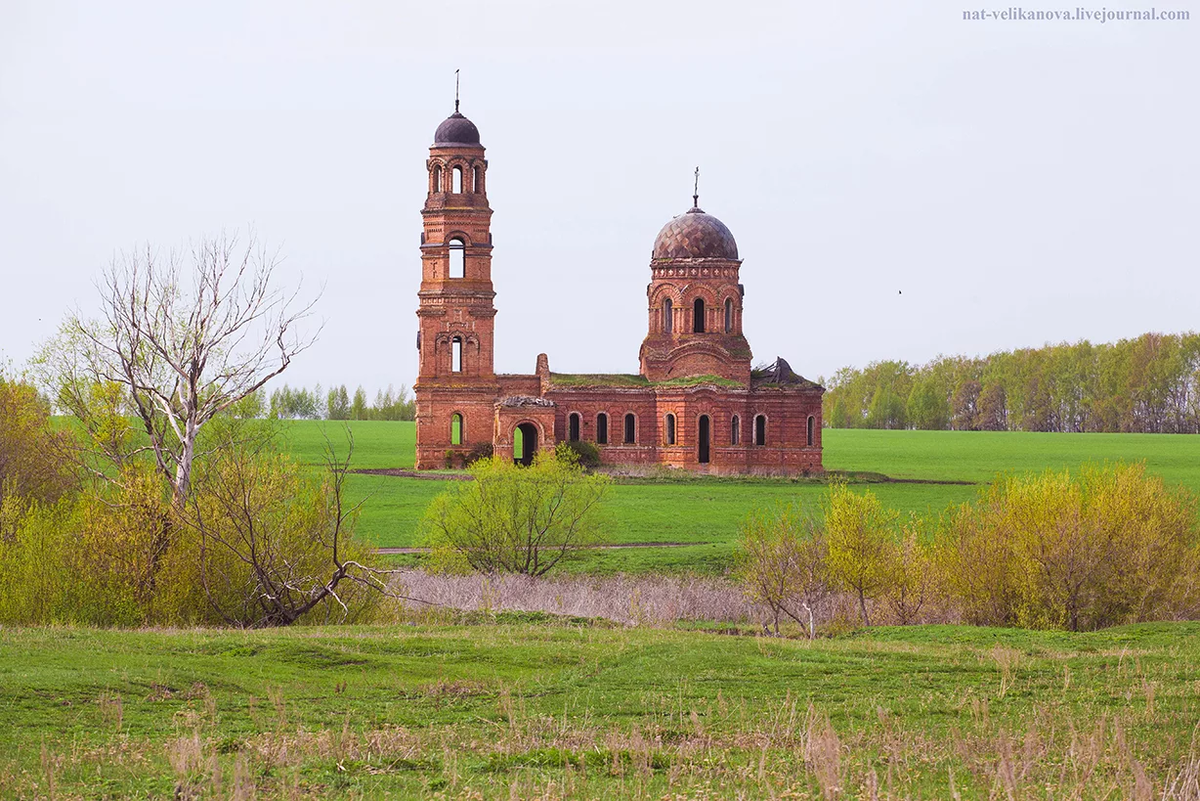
(696, 190)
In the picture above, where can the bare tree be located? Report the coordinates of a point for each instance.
(273, 544)
(781, 565)
(177, 344)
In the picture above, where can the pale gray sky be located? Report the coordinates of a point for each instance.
(1020, 182)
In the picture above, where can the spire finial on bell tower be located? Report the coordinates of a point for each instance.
(456, 91)
(696, 190)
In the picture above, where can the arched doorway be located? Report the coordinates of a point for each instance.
(525, 444)
(705, 434)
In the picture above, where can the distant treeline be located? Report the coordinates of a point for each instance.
(302, 403)
(1149, 384)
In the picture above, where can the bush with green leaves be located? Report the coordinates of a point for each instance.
(517, 519)
(1102, 546)
(483, 450)
(34, 458)
(587, 453)
(265, 542)
(862, 543)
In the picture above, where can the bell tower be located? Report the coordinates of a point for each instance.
(456, 382)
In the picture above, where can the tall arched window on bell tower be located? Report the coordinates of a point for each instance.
(728, 315)
(435, 184)
(698, 316)
(668, 312)
(458, 258)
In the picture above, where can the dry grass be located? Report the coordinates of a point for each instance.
(787, 752)
(630, 600)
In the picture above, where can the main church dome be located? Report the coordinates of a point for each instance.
(695, 235)
(456, 130)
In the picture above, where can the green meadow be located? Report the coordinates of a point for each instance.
(482, 705)
(705, 513)
(523, 706)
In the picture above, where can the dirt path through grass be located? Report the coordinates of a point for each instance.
(606, 547)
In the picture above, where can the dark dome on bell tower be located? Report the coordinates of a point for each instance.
(456, 130)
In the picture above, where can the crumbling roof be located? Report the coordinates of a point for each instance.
(523, 401)
(780, 374)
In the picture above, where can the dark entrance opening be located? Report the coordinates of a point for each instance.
(705, 426)
(525, 444)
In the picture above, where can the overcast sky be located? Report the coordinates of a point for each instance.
(901, 182)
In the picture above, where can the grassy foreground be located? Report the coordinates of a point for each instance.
(519, 708)
(711, 511)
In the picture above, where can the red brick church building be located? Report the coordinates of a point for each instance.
(696, 403)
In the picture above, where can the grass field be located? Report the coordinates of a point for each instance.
(518, 708)
(710, 511)
(519, 705)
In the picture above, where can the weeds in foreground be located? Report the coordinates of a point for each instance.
(789, 752)
(577, 709)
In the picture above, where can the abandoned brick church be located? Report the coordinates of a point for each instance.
(695, 404)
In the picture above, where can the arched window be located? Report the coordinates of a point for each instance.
(573, 427)
(760, 430)
(670, 429)
(457, 186)
(458, 258)
(698, 316)
(812, 421)
(668, 312)
(478, 183)
(729, 315)
(437, 179)
(456, 356)
(735, 431)
(630, 429)
(602, 429)
(456, 429)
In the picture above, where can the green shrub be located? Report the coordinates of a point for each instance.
(483, 450)
(862, 537)
(517, 519)
(1105, 546)
(34, 461)
(264, 543)
(586, 453)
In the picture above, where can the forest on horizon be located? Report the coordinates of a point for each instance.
(1148, 384)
